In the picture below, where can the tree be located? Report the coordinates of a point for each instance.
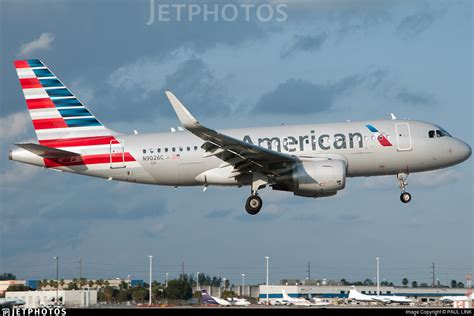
(460, 285)
(7, 276)
(61, 283)
(139, 294)
(414, 284)
(99, 283)
(122, 296)
(454, 283)
(109, 293)
(368, 282)
(405, 282)
(344, 282)
(123, 285)
(91, 283)
(18, 287)
(72, 286)
(179, 290)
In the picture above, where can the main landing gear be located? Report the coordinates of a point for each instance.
(405, 197)
(254, 202)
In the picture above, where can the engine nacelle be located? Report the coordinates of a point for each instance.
(314, 178)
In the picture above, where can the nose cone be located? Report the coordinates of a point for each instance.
(463, 151)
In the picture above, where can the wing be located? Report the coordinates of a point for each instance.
(243, 156)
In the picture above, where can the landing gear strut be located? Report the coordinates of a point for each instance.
(254, 202)
(405, 197)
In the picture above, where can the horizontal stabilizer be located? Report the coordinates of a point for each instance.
(46, 152)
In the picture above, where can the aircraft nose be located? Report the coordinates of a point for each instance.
(464, 151)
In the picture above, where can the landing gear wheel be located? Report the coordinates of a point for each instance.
(253, 205)
(405, 197)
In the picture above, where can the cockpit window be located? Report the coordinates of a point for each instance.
(444, 133)
(438, 133)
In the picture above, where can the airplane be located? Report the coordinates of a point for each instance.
(307, 160)
(288, 300)
(10, 303)
(238, 301)
(208, 299)
(454, 299)
(385, 299)
(316, 301)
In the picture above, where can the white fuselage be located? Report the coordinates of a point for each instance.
(177, 159)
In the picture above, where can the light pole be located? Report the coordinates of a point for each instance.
(224, 279)
(166, 279)
(243, 284)
(267, 258)
(57, 279)
(149, 294)
(378, 276)
(197, 281)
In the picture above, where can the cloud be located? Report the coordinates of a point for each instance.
(415, 98)
(42, 43)
(221, 213)
(427, 179)
(14, 125)
(19, 173)
(436, 178)
(416, 23)
(305, 43)
(144, 81)
(304, 97)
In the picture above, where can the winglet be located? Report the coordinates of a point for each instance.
(186, 118)
(393, 116)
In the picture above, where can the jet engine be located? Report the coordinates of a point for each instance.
(313, 178)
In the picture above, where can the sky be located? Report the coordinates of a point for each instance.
(294, 62)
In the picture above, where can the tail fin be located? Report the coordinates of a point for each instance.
(57, 115)
(285, 296)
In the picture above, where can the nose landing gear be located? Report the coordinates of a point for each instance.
(405, 197)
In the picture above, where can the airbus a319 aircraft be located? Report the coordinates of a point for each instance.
(308, 160)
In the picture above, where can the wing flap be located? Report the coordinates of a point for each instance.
(46, 152)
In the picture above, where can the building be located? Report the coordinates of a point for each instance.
(5, 284)
(420, 294)
(74, 298)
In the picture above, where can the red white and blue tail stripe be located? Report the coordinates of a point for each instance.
(61, 121)
(56, 113)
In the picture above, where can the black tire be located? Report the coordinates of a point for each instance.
(405, 197)
(253, 205)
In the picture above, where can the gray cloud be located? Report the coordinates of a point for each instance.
(303, 97)
(42, 43)
(142, 83)
(305, 43)
(221, 213)
(417, 23)
(415, 98)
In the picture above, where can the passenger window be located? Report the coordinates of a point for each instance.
(188, 148)
(195, 147)
(180, 148)
(144, 151)
(173, 149)
(431, 134)
(166, 149)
